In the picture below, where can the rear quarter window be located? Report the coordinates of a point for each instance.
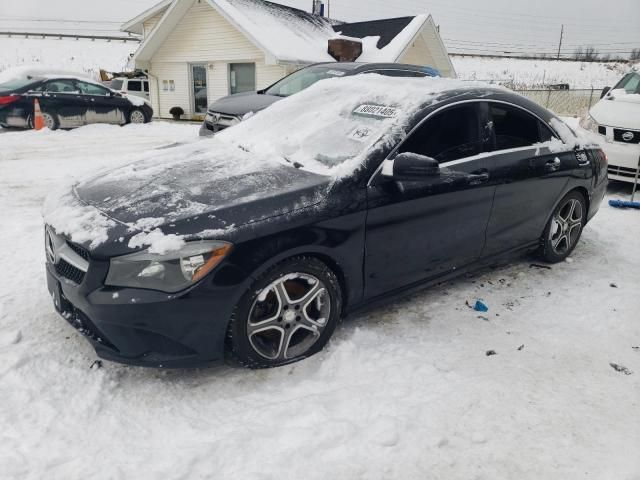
(134, 86)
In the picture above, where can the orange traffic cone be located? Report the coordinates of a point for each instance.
(38, 119)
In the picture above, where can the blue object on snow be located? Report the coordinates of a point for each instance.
(623, 204)
(481, 306)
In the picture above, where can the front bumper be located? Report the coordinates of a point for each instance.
(623, 160)
(144, 327)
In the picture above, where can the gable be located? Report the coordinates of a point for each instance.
(203, 35)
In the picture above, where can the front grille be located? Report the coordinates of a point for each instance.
(68, 271)
(222, 121)
(622, 171)
(631, 136)
(79, 250)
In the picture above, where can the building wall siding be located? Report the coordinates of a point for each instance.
(203, 36)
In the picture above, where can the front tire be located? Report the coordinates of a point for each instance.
(287, 315)
(564, 229)
(137, 116)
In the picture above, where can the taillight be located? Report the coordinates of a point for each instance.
(9, 99)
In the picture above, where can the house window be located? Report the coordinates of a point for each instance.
(165, 85)
(242, 77)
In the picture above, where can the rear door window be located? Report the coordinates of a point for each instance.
(146, 86)
(449, 135)
(515, 128)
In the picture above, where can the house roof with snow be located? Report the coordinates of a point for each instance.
(291, 36)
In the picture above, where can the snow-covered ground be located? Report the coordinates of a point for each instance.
(406, 391)
(534, 73)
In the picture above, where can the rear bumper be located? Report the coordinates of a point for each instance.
(623, 160)
(14, 117)
(147, 328)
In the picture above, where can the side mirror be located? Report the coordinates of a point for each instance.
(411, 167)
(605, 90)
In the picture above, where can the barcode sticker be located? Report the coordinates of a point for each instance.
(377, 111)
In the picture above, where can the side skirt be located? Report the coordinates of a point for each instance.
(410, 289)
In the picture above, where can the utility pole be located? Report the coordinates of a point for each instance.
(328, 8)
(560, 44)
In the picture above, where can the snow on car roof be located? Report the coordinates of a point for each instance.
(26, 72)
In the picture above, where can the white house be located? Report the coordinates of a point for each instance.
(196, 51)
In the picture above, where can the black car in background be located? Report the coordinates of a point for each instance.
(229, 111)
(66, 102)
(256, 242)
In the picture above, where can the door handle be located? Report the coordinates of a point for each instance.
(478, 177)
(553, 165)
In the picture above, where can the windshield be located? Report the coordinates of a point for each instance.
(116, 84)
(332, 127)
(630, 84)
(302, 79)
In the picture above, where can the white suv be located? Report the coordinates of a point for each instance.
(616, 118)
(138, 87)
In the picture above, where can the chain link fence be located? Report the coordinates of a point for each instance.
(564, 102)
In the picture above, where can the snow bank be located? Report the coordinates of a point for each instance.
(66, 54)
(534, 73)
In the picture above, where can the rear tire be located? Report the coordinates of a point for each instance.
(51, 121)
(287, 315)
(564, 229)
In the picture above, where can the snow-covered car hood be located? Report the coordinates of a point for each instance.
(622, 111)
(187, 191)
(243, 103)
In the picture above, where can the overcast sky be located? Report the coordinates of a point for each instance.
(530, 26)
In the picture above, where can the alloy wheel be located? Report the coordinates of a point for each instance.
(288, 317)
(137, 116)
(49, 121)
(566, 226)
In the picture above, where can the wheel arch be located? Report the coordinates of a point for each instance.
(318, 253)
(580, 189)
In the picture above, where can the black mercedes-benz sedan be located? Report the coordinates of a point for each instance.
(229, 111)
(255, 243)
(66, 101)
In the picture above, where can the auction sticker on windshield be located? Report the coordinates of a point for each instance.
(379, 111)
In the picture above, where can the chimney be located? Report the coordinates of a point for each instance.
(318, 8)
(345, 50)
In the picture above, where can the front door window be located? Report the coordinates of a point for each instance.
(199, 76)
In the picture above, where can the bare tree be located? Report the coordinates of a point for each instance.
(586, 54)
(578, 54)
(590, 54)
(635, 54)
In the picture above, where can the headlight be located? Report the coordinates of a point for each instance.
(168, 273)
(589, 123)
